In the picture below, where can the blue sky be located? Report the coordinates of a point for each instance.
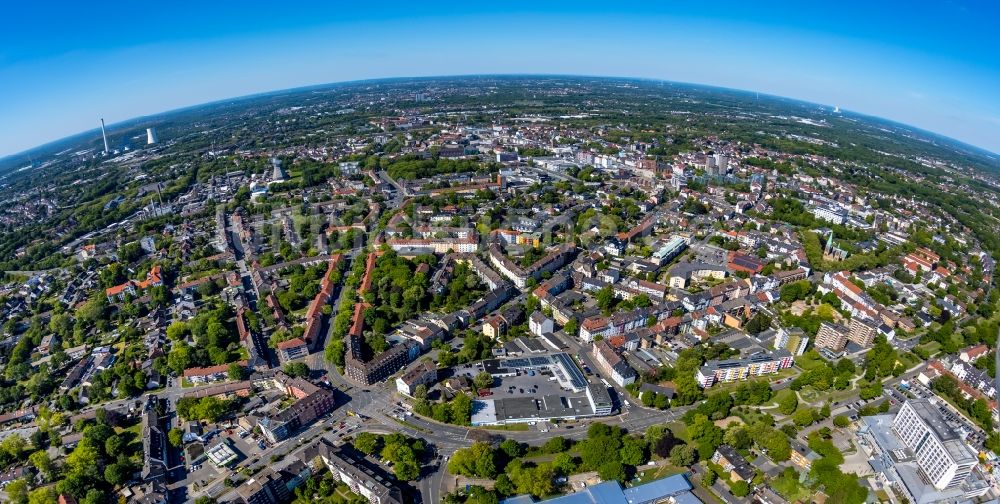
(934, 65)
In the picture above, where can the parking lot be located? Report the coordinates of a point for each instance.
(526, 385)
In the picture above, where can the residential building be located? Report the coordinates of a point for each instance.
(830, 214)
(313, 402)
(682, 274)
(801, 455)
(424, 373)
(518, 275)
(265, 487)
(669, 250)
(496, 325)
(722, 371)
(794, 340)
(832, 335)
(361, 477)
(862, 331)
(200, 375)
(540, 325)
(131, 288)
(973, 353)
(739, 469)
(292, 349)
(465, 245)
(616, 324)
(612, 363)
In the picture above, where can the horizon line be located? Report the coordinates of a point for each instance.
(985, 150)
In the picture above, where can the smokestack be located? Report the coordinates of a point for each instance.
(105, 135)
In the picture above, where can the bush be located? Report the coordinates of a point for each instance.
(740, 489)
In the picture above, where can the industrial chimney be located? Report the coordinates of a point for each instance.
(105, 135)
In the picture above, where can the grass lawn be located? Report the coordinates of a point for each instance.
(511, 427)
(932, 347)
(908, 359)
(808, 361)
(655, 473)
(809, 394)
(679, 430)
(133, 434)
(782, 395)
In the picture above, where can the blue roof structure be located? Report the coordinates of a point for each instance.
(656, 490)
(611, 492)
(518, 499)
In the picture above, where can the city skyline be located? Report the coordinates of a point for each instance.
(879, 61)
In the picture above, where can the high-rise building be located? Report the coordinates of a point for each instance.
(832, 336)
(721, 164)
(861, 331)
(151, 136)
(941, 456)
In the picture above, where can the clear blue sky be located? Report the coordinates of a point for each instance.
(931, 64)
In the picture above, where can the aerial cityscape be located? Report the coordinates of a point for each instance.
(500, 289)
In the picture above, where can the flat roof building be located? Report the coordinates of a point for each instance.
(939, 470)
(942, 457)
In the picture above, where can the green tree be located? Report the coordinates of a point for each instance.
(41, 461)
(117, 474)
(176, 437)
(366, 442)
(483, 380)
(13, 446)
(683, 455)
(466, 461)
(564, 464)
(17, 491)
(235, 371)
(571, 327)
(461, 409)
(737, 436)
(605, 299)
(633, 452)
(740, 488)
(420, 392)
(512, 449)
(759, 323)
(612, 470)
(43, 495)
(406, 469)
(804, 417)
(115, 445)
(788, 404)
(557, 444)
(297, 369)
